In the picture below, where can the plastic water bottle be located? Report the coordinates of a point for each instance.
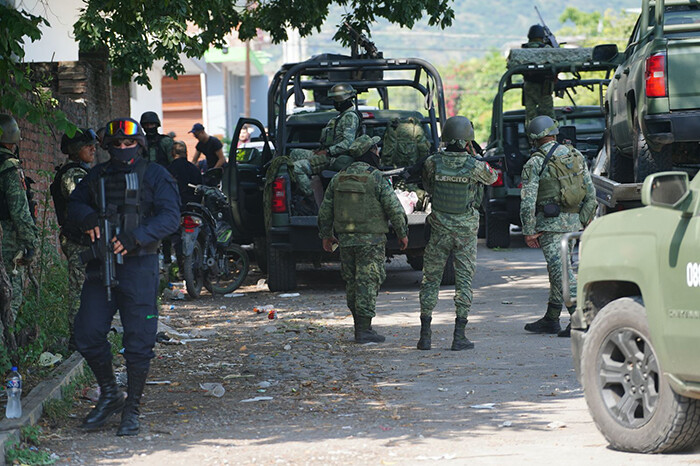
(14, 395)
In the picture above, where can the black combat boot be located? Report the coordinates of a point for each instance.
(111, 398)
(130, 415)
(425, 333)
(459, 341)
(566, 333)
(364, 332)
(547, 324)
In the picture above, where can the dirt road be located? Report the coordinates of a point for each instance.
(513, 399)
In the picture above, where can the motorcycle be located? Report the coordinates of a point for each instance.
(209, 256)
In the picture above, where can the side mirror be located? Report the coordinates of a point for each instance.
(604, 52)
(665, 189)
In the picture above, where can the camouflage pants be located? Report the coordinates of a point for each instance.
(307, 164)
(550, 244)
(441, 244)
(17, 275)
(76, 277)
(538, 100)
(362, 268)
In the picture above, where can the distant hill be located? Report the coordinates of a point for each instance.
(478, 27)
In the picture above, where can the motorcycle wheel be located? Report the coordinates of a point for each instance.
(192, 271)
(234, 270)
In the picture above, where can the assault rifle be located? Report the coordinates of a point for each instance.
(361, 40)
(102, 249)
(548, 35)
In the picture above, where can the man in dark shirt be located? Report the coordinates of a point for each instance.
(185, 172)
(209, 146)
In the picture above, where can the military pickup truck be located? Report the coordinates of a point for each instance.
(266, 208)
(635, 333)
(652, 106)
(509, 148)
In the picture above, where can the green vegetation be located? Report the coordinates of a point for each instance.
(26, 452)
(56, 411)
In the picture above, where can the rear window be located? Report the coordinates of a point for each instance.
(680, 15)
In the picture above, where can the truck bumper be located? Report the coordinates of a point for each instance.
(672, 127)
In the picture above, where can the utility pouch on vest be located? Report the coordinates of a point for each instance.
(551, 210)
(131, 202)
(356, 207)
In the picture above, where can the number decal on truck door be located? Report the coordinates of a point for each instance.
(692, 274)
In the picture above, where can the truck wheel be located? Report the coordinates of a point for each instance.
(497, 232)
(648, 160)
(260, 250)
(416, 262)
(627, 394)
(448, 275)
(282, 272)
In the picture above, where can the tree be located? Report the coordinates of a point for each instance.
(136, 33)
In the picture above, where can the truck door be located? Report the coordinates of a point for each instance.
(243, 179)
(620, 118)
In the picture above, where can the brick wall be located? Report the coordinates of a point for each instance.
(88, 97)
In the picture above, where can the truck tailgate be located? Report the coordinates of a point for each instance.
(683, 65)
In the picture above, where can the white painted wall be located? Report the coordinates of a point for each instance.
(57, 42)
(145, 100)
(216, 100)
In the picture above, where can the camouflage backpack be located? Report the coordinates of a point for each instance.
(564, 180)
(404, 142)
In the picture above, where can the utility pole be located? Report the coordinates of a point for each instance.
(246, 95)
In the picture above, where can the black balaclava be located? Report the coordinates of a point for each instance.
(151, 131)
(124, 156)
(342, 106)
(371, 158)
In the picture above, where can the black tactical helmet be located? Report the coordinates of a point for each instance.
(542, 126)
(123, 128)
(536, 32)
(150, 117)
(82, 137)
(457, 128)
(10, 129)
(342, 92)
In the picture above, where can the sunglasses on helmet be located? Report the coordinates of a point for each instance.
(125, 127)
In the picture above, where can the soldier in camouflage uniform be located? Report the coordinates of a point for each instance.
(538, 86)
(356, 207)
(19, 239)
(455, 180)
(81, 154)
(546, 216)
(336, 138)
(160, 146)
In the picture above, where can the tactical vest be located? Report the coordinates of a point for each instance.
(60, 202)
(125, 200)
(355, 204)
(561, 181)
(453, 191)
(328, 132)
(6, 155)
(157, 150)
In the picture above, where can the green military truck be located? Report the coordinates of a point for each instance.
(509, 148)
(652, 106)
(265, 206)
(635, 333)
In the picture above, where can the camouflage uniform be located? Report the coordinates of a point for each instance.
(362, 254)
(70, 246)
(537, 90)
(453, 233)
(553, 228)
(336, 138)
(19, 231)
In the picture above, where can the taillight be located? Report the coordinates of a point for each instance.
(279, 195)
(499, 180)
(189, 223)
(655, 75)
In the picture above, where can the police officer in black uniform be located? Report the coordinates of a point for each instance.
(159, 146)
(145, 197)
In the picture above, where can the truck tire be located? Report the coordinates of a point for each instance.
(416, 262)
(448, 275)
(648, 160)
(625, 388)
(260, 250)
(282, 271)
(497, 232)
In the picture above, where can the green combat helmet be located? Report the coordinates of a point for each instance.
(150, 117)
(342, 92)
(362, 144)
(9, 128)
(542, 126)
(536, 32)
(458, 130)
